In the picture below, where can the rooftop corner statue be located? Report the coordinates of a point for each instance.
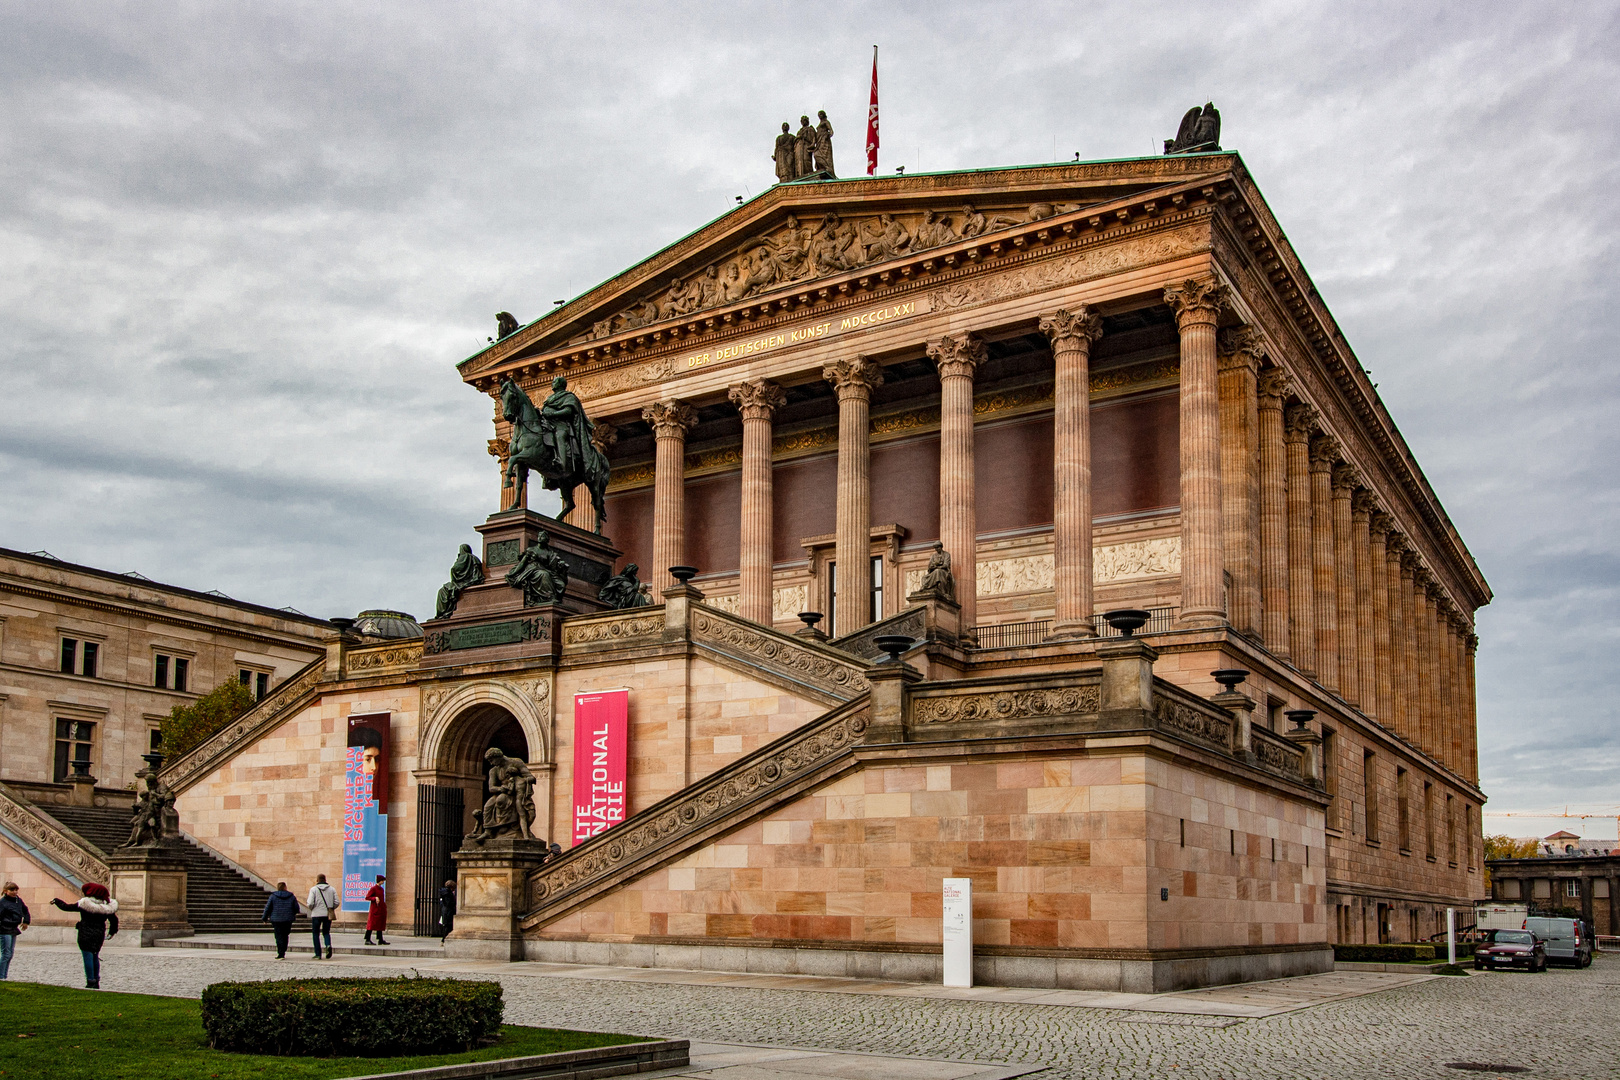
(555, 441)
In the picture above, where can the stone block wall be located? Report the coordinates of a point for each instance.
(1066, 852)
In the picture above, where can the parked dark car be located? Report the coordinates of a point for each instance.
(1569, 941)
(1511, 948)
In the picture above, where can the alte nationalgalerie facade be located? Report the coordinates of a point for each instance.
(1096, 386)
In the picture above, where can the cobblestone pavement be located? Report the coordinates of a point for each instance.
(1562, 1024)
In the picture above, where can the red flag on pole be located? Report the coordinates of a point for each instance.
(872, 122)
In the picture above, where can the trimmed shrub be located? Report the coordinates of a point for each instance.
(352, 1017)
(1383, 954)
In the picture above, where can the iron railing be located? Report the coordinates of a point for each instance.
(438, 835)
(1015, 635)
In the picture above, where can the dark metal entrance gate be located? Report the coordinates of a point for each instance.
(438, 834)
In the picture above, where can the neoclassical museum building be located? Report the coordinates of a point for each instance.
(1087, 388)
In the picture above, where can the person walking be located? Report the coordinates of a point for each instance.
(377, 918)
(13, 921)
(323, 904)
(447, 909)
(279, 911)
(98, 921)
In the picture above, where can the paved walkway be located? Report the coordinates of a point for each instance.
(1245, 1000)
(1564, 1024)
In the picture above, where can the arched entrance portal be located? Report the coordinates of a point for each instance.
(456, 785)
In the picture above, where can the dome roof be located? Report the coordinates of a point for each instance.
(387, 624)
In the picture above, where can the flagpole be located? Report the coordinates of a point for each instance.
(872, 121)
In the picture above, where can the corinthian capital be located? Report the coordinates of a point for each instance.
(957, 354)
(1273, 386)
(1324, 452)
(1299, 422)
(1363, 501)
(1071, 329)
(1346, 478)
(1196, 300)
(603, 436)
(670, 419)
(757, 400)
(856, 377)
(1240, 346)
(1381, 525)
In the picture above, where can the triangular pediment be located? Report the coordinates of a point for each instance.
(799, 236)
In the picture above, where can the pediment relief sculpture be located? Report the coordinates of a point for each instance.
(806, 249)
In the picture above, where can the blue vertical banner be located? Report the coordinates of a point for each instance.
(365, 807)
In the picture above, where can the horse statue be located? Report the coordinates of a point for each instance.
(555, 441)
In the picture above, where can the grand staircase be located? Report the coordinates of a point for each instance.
(219, 898)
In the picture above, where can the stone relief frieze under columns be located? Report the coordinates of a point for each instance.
(1110, 563)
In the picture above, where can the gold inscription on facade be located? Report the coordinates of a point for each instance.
(768, 342)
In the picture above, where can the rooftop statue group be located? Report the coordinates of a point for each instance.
(808, 152)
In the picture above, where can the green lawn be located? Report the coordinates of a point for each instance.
(57, 1033)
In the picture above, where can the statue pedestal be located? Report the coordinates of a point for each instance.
(492, 897)
(149, 884)
(491, 623)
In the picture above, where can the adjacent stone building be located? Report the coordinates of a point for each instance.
(1093, 386)
(1569, 874)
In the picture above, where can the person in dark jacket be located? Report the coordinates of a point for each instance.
(447, 908)
(98, 920)
(280, 911)
(13, 921)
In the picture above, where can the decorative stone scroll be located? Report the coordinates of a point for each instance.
(1006, 705)
(913, 623)
(652, 835)
(841, 679)
(1189, 723)
(279, 704)
(50, 839)
(1277, 757)
(625, 628)
(393, 656)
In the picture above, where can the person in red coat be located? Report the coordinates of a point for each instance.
(377, 918)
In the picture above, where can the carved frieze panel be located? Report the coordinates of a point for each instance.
(1136, 559)
(623, 629)
(1190, 723)
(1277, 757)
(1003, 577)
(1006, 705)
(1056, 273)
(743, 783)
(841, 679)
(362, 661)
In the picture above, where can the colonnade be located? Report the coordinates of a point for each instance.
(1281, 536)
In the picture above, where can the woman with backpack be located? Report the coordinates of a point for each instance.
(98, 920)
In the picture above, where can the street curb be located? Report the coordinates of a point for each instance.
(567, 1065)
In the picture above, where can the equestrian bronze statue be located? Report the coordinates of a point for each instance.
(555, 441)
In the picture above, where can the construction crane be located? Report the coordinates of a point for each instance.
(1614, 812)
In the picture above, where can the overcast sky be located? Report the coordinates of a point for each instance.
(242, 248)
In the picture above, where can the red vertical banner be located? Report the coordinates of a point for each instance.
(872, 122)
(601, 742)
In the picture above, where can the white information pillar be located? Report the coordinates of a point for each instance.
(1451, 935)
(958, 909)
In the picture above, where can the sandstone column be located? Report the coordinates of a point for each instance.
(1240, 353)
(1427, 699)
(1394, 548)
(1361, 510)
(854, 380)
(670, 421)
(758, 402)
(1299, 427)
(1197, 306)
(1344, 578)
(1410, 678)
(1274, 564)
(1072, 333)
(1448, 686)
(1471, 714)
(957, 357)
(1324, 576)
(1382, 652)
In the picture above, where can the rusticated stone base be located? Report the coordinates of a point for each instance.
(1139, 971)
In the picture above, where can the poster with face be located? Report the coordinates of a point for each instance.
(365, 807)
